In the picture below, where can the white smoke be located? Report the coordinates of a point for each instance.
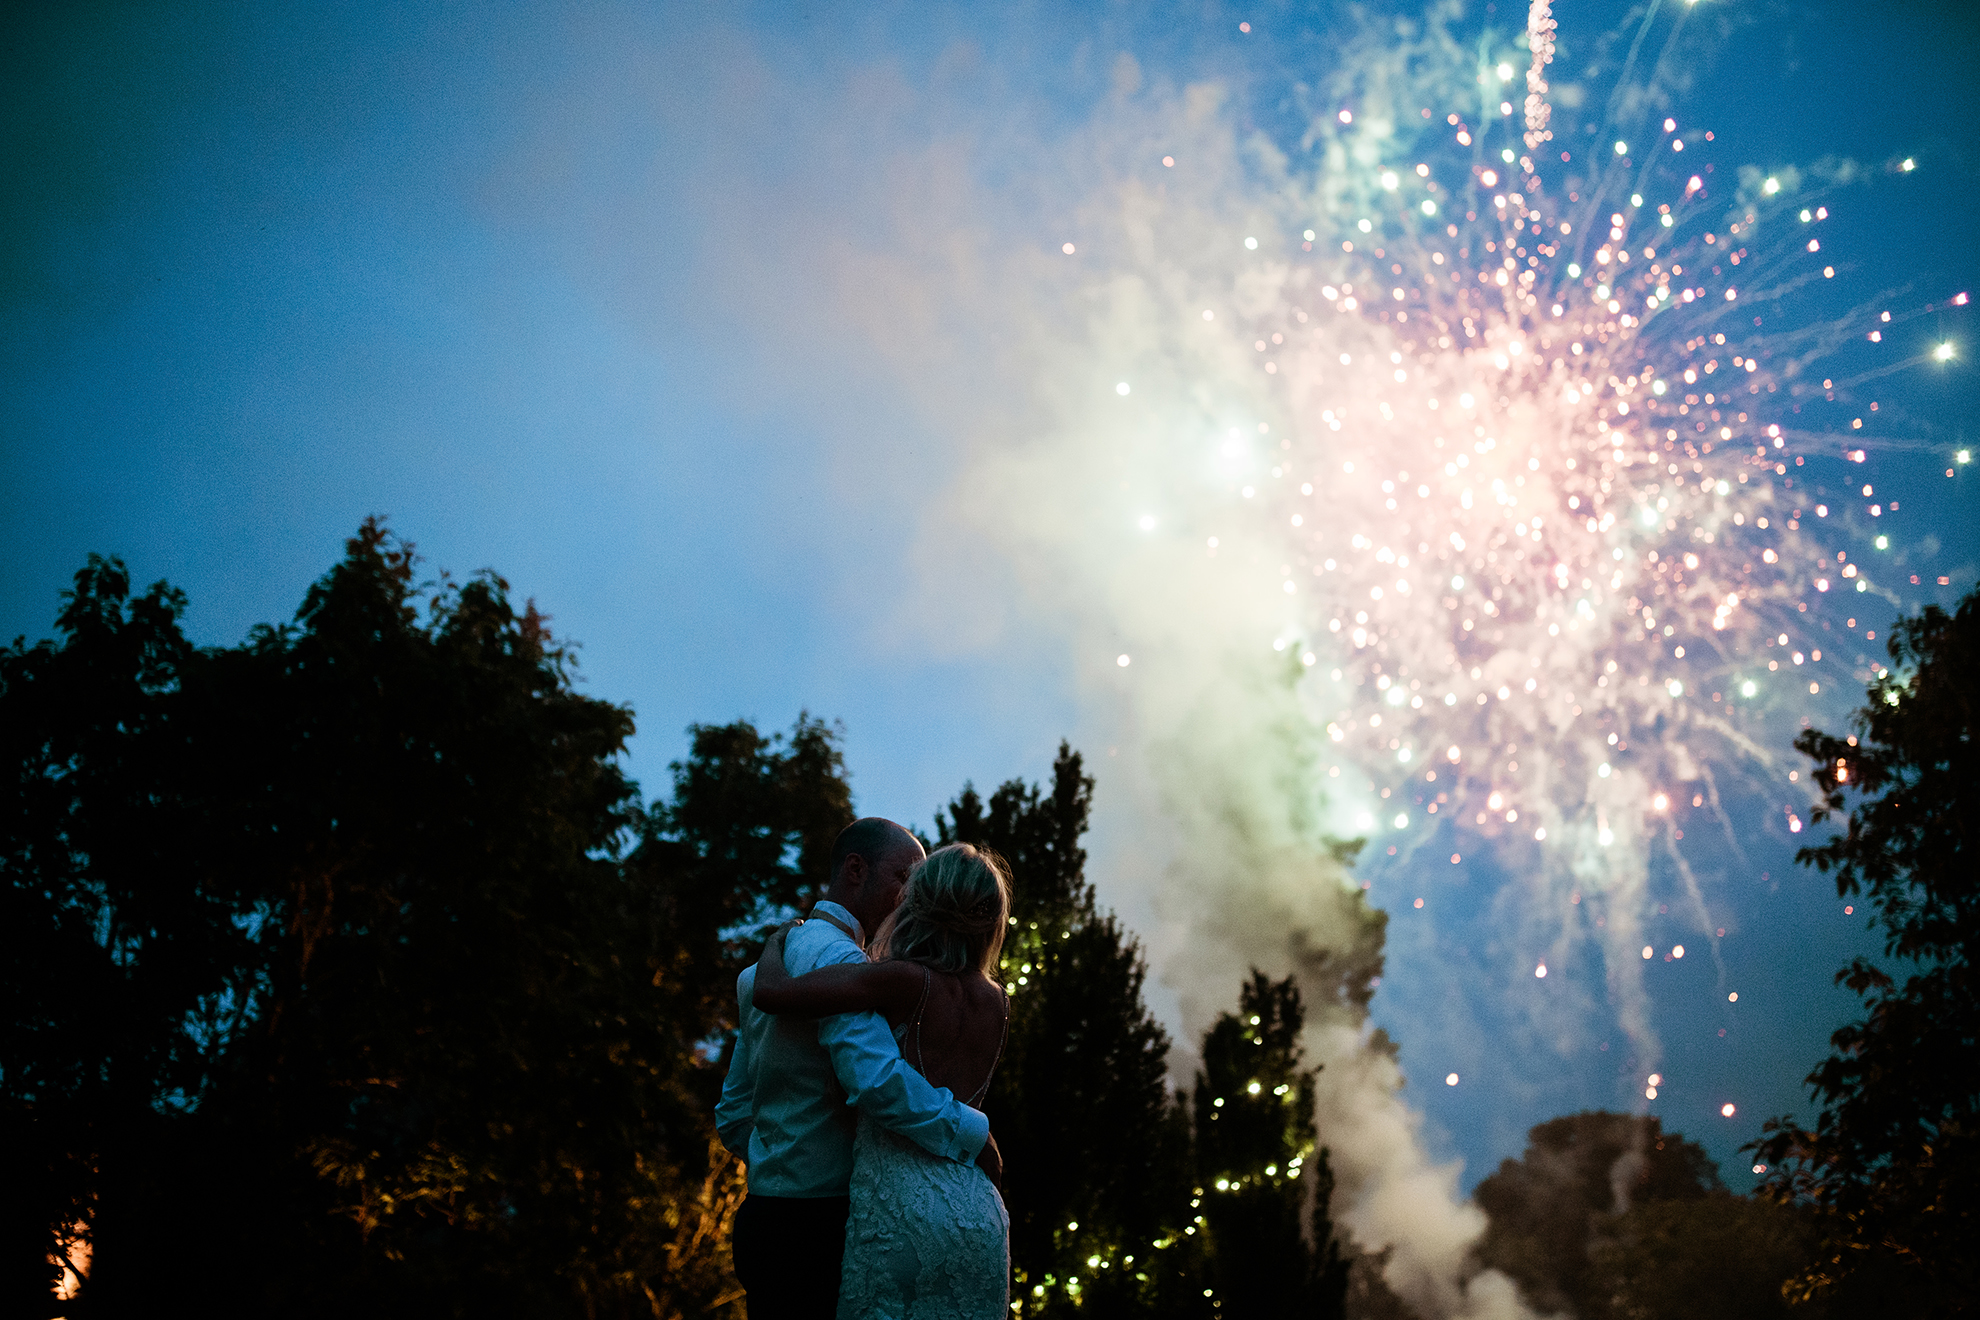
(1229, 754)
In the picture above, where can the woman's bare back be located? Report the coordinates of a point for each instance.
(960, 1034)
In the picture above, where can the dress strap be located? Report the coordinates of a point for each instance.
(976, 1101)
(920, 1057)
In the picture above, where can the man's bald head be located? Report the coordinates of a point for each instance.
(870, 862)
(870, 837)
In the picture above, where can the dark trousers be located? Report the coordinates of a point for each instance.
(788, 1252)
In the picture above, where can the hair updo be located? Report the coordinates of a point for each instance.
(953, 918)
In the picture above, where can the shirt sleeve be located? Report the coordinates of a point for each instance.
(876, 1078)
(735, 1115)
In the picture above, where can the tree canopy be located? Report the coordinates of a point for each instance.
(1264, 1181)
(1892, 1164)
(1125, 1198)
(1610, 1217)
(346, 971)
(1579, 1173)
(1096, 1153)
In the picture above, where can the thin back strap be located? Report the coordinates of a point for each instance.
(920, 1057)
(976, 1101)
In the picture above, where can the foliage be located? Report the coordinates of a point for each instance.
(324, 950)
(1096, 1151)
(346, 972)
(1711, 1257)
(1254, 1138)
(744, 839)
(1578, 1175)
(1892, 1164)
(1107, 1173)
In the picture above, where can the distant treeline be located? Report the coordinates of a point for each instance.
(346, 972)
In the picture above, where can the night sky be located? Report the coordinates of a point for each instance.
(611, 301)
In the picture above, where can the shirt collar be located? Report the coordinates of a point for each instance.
(827, 908)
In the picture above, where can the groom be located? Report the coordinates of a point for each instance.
(786, 1108)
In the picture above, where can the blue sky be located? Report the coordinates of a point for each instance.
(555, 294)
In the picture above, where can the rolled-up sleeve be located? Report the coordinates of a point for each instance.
(735, 1114)
(869, 1066)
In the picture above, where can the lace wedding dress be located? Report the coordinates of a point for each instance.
(928, 1238)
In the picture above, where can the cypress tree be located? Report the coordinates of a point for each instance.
(1259, 1164)
(1097, 1149)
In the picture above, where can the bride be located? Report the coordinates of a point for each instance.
(928, 1238)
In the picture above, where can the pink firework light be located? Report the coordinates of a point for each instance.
(1550, 559)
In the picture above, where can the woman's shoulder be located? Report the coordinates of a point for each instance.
(979, 991)
(904, 980)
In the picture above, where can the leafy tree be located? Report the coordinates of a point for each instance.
(1892, 1164)
(90, 1032)
(346, 971)
(1254, 1137)
(330, 983)
(1108, 1176)
(745, 836)
(1579, 1173)
(1097, 1150)
(1711, 1257)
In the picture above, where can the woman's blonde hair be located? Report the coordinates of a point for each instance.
(953, 917)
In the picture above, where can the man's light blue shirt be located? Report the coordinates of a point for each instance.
(787, 1108)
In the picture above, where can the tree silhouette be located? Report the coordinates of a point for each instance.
(1259, 1164)
(1547, 1209)
(1097, 1154)
(1109, 1176)
(1711, 1257)
(1892, 1162)
(346, 972)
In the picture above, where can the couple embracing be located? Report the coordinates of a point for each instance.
(873, 1189)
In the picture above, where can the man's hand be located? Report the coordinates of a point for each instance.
(777, 936)
(991, 1161)
(770, 974)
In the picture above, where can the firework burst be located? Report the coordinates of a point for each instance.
(1530, 486)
